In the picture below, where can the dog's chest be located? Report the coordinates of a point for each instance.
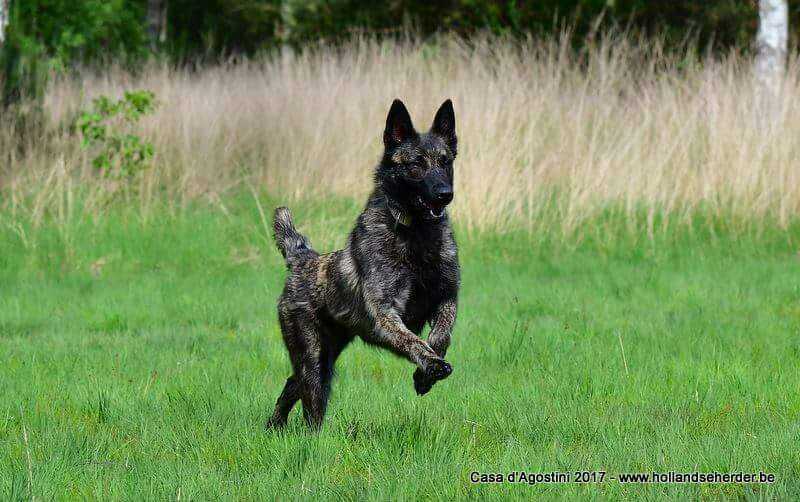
(414, 303)
(425, 279)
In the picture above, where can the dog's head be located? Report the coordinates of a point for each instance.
(417, 169)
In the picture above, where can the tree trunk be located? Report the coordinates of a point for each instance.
(156, 22)
(773, 31)
(4, 4)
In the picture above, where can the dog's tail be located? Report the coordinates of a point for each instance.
(290, 242)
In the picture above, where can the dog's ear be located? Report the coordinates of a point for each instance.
(399, 128)
(444, 124)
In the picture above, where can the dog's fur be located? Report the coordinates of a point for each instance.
(398, 271)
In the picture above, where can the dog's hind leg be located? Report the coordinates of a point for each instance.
(313, 351)
(310, 372)
(286, 401)
(318, 371)
(312, 392)
(292, 338)
(330, 353)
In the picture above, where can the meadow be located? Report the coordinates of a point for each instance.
(142, 360)
(630, 297)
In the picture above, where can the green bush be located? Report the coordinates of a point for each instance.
(106, 130)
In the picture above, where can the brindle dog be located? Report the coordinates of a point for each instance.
(399, 271)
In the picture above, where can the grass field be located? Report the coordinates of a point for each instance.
(631, 291)
(141, 357)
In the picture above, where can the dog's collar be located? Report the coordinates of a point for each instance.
(399, 216)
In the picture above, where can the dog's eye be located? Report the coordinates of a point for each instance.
(415, 171)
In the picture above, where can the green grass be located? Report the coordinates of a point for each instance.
(140, 359)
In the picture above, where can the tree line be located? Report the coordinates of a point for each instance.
(43, 35)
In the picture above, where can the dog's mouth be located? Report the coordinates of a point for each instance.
(432, 209)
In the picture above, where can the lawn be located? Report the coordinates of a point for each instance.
(141, 357)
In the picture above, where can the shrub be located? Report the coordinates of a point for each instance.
(106, 130)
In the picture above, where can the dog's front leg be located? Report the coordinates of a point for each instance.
(391, 333)
(442, 322)
(382, 289)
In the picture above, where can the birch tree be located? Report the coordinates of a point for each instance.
(773, 32)
(4, 4)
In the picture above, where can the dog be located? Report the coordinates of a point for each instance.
(398, 271)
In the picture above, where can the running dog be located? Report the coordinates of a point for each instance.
(398, 271)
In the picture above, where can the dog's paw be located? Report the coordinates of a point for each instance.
(274, 425)
(422, 384)
(438, 369)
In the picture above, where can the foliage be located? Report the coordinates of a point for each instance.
(81, 31)
(721, 23)
(106, 127)
(47, 35)
(213, 27)
(53, 35)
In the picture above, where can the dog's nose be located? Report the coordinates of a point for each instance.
(444, 195)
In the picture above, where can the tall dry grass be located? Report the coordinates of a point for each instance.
(544, 132)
